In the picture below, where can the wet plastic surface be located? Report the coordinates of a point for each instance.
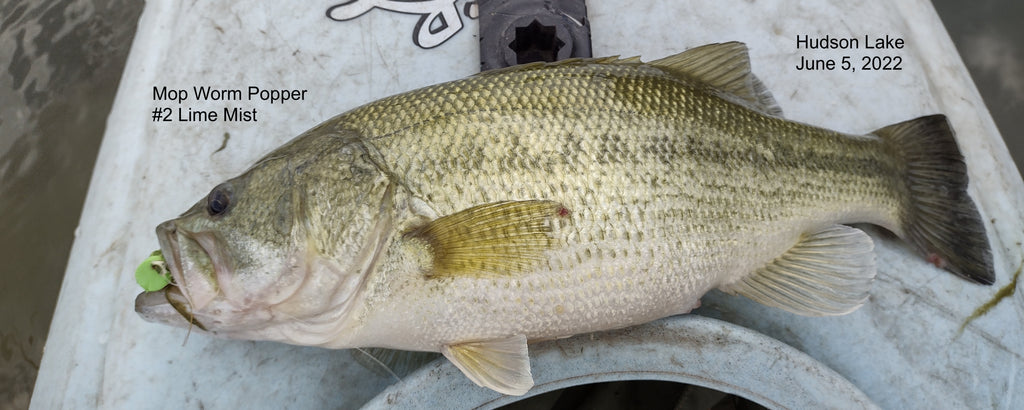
(524, 31)
(687, 349)
(902, 349)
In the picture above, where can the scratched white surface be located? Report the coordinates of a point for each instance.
(902, 349)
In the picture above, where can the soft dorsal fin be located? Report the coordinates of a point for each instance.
(502, 365)
(827, 273)
(724, 67)
(495, 239)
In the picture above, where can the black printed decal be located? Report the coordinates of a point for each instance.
(439, 19)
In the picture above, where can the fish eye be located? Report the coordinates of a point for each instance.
(219, 200)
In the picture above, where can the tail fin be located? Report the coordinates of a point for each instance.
(941, 220)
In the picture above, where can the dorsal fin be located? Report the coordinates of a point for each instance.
(569, 62)
(724, 67)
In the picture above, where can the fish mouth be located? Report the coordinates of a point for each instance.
(197, 269)
(167, 305)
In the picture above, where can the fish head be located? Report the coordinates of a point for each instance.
(282, 251)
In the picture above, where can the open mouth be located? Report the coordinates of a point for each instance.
(195, 266)
(166, 305)
(193, 262)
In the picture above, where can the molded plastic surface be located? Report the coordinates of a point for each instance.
(687, 349)
(902, 349)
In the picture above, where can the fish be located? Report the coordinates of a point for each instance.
(541, 201)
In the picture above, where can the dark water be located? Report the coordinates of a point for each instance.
(990, 38)
(61, 64)
(62, 61)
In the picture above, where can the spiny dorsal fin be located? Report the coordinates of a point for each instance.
(569, 62)
(827, 273)
(502, 365)
(397, 363)
(627, 60)
(724, 67)
(496, 239)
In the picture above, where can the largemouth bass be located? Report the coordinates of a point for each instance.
(552, 199)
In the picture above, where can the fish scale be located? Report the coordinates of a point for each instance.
(613, 140)
(547, 200)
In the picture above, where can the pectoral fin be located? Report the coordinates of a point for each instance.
(828, 272)
(497, 239)
(502, 365)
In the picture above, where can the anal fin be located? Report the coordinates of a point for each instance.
(826, 273)
(502, 365)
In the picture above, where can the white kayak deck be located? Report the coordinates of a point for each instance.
(902, 349)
